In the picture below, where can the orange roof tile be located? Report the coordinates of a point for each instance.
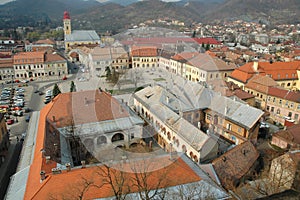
(29, 57)
(6, 63)
(144, 51)
(69, 184)
(261, 83)
(51, 57)
(85, 107)
(277, 70)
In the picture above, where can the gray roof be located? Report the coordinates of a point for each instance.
(82, 35)
(151, 98)
(243, 114)
(185, 96)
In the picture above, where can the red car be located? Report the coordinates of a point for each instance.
(64, 78)
(10, 121)
(17, 81)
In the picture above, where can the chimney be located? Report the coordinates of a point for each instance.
(83, 164)
(47, 159)
(68, 166)
(255, 65)
(167, 100)
(56, 171)
(43, 175)
(85, 101)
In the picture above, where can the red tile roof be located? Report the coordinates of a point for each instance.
(144, 51)
(277, 70)
(85, 107)
(52, 57)
(6, 63)
(29, 57)
(285, 94)
(261, 83)
(207, 41)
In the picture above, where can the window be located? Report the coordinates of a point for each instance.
(298, 107)
(278, 112)
(239, 129)
(292, 105)
(280, 101)
(208, 116)
(272, 109)
(268, 108)
(274, 99)
(269, 98)
(290, 114)
(228, 126)
(296, 116)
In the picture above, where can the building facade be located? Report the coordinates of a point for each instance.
(39, 64)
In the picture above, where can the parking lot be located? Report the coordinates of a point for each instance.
(14, 103)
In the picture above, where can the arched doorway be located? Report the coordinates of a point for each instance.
(117, 137)
(101, 140)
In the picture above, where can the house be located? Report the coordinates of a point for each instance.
(287, 139)
(233, 165)
(144, 56)
(114, 57)
(283, 105)
(284, 73)
(200, 67)
(4, 139)
(258, 86)
(41, 45)
(92, 121)
(39, 64)
(172, 119)
(232, 120)
(78, 37)
(6, 68)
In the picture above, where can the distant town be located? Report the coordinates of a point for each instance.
(159, 111)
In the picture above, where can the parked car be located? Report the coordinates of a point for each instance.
(27, 118)
(64, 78)
(10, 121)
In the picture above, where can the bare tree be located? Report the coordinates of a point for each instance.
(150, 183)
(116, 179)
(279, 178)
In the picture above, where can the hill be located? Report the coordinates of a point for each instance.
(115, 17)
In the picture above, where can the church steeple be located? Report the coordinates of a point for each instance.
(67, 23)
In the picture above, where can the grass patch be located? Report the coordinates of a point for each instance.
(159, 79)
(125, 91)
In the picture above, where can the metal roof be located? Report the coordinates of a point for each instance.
(82, 35)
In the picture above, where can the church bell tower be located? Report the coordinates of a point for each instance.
(67, 23)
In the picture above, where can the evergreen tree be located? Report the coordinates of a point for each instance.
(114, 76)
(207, 47)
(108, 73)
(73, 87)
(56, 90)
(194, 34)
